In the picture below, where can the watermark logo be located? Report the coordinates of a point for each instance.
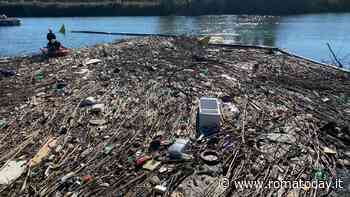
(224, 183)
(288, 184)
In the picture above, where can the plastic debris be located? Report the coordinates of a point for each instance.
(205, 71)
(230, 110)
(329, 150)
(83, 71)
(141, 161)
(87, 178)
(131, 159)
(320, 174)
(97, 122)
(92, 61)
(216, 40)
(60, 85)
(11, 171)
(160, 188)
(343, 162)
(39, 75)
(66, 177)
(151, 165)
(209, 116)
(43, 152)
(325, 99)
(226, 99)
(7, 73)
(154, 180)
(89, 101)
(98, 108)
(3, 124)
(108, 149)
(176, 150)
(105, 185)
(163, 169)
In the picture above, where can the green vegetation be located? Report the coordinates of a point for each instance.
(166, 7)
(272, 7)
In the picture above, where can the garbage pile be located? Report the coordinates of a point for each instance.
(121, 119)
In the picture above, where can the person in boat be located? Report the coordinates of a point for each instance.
(53, 45)
(50, 35)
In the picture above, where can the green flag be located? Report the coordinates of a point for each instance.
(62, 30)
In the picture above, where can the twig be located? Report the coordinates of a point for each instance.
(244, 120)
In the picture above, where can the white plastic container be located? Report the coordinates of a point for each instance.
(209, 116)
(176, 149)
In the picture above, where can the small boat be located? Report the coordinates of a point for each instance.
(62, 51)
(10, 22)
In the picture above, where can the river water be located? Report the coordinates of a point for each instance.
(306, 35)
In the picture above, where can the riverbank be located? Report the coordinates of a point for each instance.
(106, 109)
(162, 8)
(52, 9)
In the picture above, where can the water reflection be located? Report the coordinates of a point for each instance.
(259, 34)
(234, 29)
(306, 34)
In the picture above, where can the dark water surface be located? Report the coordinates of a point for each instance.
(306, 35)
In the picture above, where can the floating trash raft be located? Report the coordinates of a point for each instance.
(121, 119)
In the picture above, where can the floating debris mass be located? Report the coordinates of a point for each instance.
(108, 120)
